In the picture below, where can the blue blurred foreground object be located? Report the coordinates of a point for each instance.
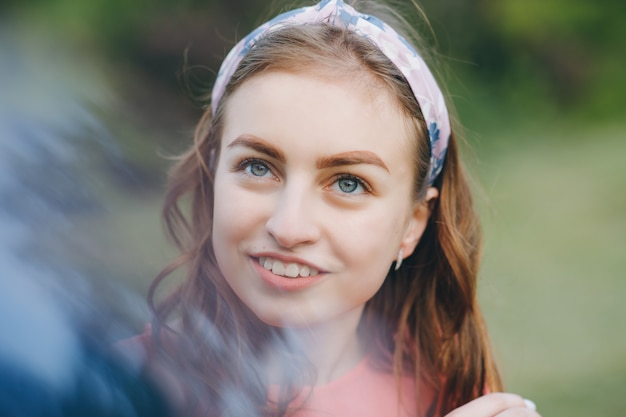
(100, 386)
(55, 349)
(55, 356)
(48, 367)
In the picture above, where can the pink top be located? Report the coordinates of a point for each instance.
(362, 392)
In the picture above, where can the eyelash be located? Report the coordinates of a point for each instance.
(245, 163)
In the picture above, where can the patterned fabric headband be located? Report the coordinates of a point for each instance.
(338, 14)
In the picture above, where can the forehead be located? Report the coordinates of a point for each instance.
(337, 110)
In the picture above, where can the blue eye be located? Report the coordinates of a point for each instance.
(350, 185)
(347, 185)
(257, 169)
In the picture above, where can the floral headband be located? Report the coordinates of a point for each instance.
(338, 14)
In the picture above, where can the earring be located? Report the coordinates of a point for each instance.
(399, 260)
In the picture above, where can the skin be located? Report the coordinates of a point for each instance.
(316, 169)
(497, 404)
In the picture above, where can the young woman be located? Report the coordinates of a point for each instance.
(326, 228)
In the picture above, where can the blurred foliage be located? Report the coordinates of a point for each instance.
(534, 58)
(515, 57)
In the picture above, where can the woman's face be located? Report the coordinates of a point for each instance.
(313, 195)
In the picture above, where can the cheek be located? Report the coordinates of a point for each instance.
(231, 218)
(239, 215)
(372, 238)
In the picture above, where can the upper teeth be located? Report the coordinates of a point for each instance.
(291, 270)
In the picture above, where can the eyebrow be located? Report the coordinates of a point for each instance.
(351, 158)
(334, 161)
(258, 145)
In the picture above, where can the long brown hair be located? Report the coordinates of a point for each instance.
(425, 319)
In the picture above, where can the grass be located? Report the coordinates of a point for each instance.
(553, 268)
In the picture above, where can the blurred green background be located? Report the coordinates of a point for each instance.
(539, 85)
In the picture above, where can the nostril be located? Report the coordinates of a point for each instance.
(291, 235)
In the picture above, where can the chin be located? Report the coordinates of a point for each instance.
(281, 322)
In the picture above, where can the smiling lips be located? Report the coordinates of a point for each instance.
(290, 270)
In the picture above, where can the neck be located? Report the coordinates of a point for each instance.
(332, 347)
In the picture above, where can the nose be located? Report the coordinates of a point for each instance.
(293, 221)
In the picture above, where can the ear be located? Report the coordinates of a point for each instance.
(418, 221)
